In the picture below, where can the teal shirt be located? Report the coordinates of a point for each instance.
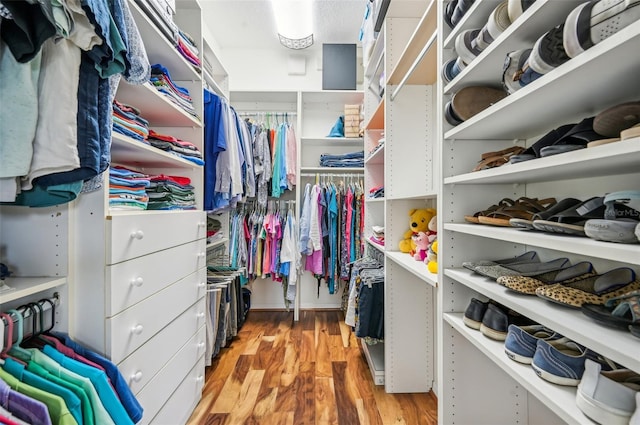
(100, 382)
(70, 399)
(58, 411)
(101, 416)
(85, 403)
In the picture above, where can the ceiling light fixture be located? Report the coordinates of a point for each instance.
(293, 23)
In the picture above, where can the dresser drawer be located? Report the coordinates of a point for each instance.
(132, 281)
(130, 329)
(186, 364)
(131, 236)
(183, 401)
(142, 365)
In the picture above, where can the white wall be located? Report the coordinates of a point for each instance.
(262, 70)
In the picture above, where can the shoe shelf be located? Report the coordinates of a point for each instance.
(617, 345)
(589, 90)
(474, 18)
(613, 158)
(560, 399)
(486, 68)
(133, 153)
(584, 246)
(417, 268)
(25, 286)
(417, 63)
(155, 107)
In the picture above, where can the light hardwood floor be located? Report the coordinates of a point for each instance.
(277, 371)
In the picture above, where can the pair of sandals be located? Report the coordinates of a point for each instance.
(622, 312)
(503, 212)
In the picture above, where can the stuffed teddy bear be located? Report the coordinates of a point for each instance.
(418, 222)
(432, 233)
(432, 257)
(422, 245)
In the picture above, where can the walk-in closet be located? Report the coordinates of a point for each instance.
(319, 212)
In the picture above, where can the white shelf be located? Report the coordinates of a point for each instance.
(373, 200)
(213, 84)
(376, 158)
(131, 152)
(160, 50)
(560, 399)
(417, 63)
(217, 243)
(374, 245)
(25, 286)
(627, 253)
(535, 106)
(617, 345)
(375, 358)
(418, 268)
(475, 17)
(377, 57)
(348, 141)
(613, 158)
(154, 106)
(425, 195)
(332, 170)
(537, 19)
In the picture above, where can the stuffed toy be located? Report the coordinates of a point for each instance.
(432, 257)
(418, 222)
(432, 233)
(422, 245)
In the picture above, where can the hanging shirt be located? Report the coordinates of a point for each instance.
(292, 158)
(214, 143)
(22, 406)
(58, 411)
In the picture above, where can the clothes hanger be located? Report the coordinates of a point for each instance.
(15, 350)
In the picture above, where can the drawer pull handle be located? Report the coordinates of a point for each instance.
(138, 281)
(200, 315)
(200, 378)
(137, 329)
(138, 234)
(136, 377)
(200, 345)
(202, 284)
(201, 255)
(201, 224)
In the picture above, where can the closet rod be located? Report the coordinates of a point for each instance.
(45, 307)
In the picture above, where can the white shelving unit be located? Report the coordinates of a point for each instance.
(404, 53)
(467, 360)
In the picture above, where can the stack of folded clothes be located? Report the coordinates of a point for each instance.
(171, 193)
(127, 121)
(188, 49)
(352, 159)
(213, 229)
(378, 235)
(127, 189)
(180, 96)
(181, 148)
(376, 192)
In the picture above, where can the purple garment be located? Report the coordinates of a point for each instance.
(22, 406)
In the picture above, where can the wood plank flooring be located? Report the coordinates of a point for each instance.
(280, 372)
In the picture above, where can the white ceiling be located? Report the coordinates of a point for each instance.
(250, 23)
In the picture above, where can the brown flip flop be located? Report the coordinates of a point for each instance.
(524, 208)
(496, 159)
(474, 218)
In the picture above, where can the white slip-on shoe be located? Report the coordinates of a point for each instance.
(607, 397)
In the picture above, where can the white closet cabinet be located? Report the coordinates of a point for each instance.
(403, 65)
(478, 383)
(140, 276)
